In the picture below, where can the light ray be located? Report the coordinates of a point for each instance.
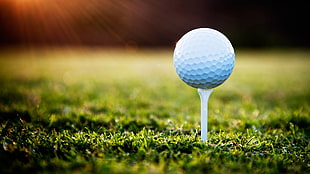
(92, 22)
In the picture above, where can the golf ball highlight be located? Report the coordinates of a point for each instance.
(204, 58)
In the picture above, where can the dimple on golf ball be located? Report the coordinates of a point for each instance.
(204, 58)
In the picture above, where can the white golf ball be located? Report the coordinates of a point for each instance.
(204, 58)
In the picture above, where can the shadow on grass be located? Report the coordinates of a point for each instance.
(15, 116)
(11, 161)
(80, 123)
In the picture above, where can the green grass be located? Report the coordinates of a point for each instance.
(112, 111)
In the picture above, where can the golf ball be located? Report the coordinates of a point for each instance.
(204, 58)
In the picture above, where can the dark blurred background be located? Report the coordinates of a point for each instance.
(146, 23)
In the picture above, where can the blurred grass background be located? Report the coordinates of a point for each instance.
(261, 80)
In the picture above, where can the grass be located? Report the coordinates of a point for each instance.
(112, 111)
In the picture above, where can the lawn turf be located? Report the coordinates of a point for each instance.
(118, 111)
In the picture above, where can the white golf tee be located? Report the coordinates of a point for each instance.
(204, 98)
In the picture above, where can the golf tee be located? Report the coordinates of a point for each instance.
(204, 98)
